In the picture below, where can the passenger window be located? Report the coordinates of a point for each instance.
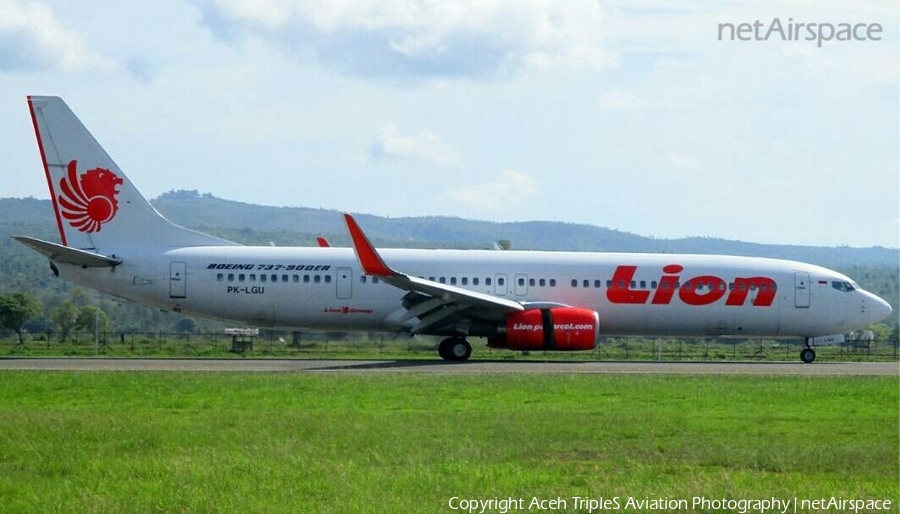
(552, 282)
(362, 278)
(597, 284)
(542, 282)
(531, 282)
(374, 280)
(474, 281)
(253, 277)
(220, 277)
(653, 285)
(521, 282)
(574, 283)
(317, 279)
(465, 281)
(487, 281)
(443, 280)
(586, 283)
(262, 278)
(452, 281)
(241, 277)
(643, 284)
(306, 279)
(274, 278)
(296, 278)
(327, 279)
(284, 278)
(501, 281)
(633, 285)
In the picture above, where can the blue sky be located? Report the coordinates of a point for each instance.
(631, 115)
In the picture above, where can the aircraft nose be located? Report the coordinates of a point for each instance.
(879, 309)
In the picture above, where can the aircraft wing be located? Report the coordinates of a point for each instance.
(68, 255)
(436, 303)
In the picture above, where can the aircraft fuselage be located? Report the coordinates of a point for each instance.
(648, 294)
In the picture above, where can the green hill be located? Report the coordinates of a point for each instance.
(192, 209)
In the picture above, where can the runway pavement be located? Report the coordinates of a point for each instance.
(440, 367)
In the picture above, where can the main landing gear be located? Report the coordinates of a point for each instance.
(455, 349)
(807, 354)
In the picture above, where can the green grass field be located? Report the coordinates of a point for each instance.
(249, 442)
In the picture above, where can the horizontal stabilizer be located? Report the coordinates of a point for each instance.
(66, 255)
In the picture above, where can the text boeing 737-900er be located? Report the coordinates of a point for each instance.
(114, 241)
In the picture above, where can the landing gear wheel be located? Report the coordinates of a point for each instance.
(455, 349)
(807, 355)
(460, 350)
(444, 349)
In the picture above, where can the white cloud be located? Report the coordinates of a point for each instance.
(623, 100)
(681, 161)
(31, 38)
(426, 145)
(512, 190)
(398, 38)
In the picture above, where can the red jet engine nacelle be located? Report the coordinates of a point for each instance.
(557, 328)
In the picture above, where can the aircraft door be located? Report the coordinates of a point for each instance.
(178, 279)
(344, 283)
(500, 285)
(801, 290)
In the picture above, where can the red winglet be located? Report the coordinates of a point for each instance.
(371, 262)
(323, 243)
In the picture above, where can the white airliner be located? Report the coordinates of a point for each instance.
(113, 240)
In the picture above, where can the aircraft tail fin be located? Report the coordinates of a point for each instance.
(96, 205)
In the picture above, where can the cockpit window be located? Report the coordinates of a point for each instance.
(842, 286)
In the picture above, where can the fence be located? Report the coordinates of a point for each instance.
(342, 345)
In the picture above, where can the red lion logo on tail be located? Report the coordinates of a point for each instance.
(89, 201)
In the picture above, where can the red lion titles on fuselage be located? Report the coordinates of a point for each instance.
(702, 290)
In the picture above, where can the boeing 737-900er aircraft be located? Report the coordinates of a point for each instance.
(113, 240)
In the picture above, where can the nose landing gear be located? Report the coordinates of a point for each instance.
(808, 354)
